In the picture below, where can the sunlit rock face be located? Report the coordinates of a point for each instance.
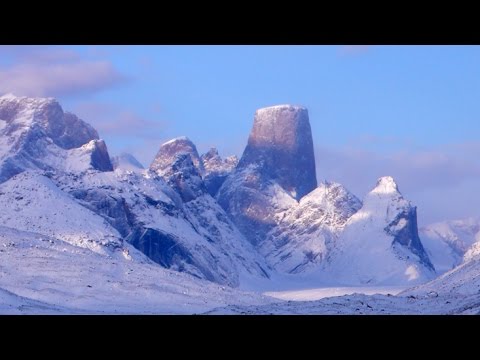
(170, 150)
(276, 170)
(281, 146)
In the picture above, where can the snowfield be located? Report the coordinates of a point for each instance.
(126, 282)
(360, 304)
(43, 275)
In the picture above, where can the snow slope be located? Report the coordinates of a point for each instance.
(32, 202)
(380, 243)
(123, 282)
(360, 304)
(191, 237)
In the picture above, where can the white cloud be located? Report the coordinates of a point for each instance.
(53, 71)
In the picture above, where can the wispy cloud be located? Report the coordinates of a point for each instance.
(112, 120)
(353, 50)
(54, 71)
(124, 129)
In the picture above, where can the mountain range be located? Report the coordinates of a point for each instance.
(233, 222)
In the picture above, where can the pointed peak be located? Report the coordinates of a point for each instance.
(385, 185)
(211, 153)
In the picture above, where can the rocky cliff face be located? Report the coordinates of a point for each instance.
(281, 147)
(216, 170)
(277, 169)
(168, 152)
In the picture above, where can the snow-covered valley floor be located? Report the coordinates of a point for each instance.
(42, 275)
(359, 304)
(321, 293)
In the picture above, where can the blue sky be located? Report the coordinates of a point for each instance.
(407, 111)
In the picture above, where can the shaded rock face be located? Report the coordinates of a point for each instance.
(254, 203)
(158, 245)
(216, 169)
(276, 170)
(114, 209)
(401, 217)
(168, 152)
(404, 230)
(281, 144)
(100, 160)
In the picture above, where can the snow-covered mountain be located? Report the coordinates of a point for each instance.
(448, 242)
(203, 212)
(222, 220)
(309, 230)
(38, 134)
(272, 197)
(380, 242)
(65, 187)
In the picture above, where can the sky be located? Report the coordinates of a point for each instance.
(411, 112)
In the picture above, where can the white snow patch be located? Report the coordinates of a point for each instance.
(412, 273)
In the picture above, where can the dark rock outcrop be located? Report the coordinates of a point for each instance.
(407, 235)
(216, 169)
(100, 160)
